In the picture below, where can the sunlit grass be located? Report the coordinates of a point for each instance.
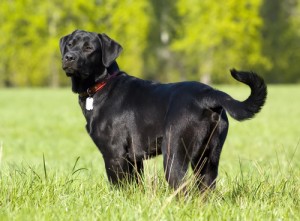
(42, 135)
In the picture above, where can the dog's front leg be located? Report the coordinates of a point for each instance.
(117, 168)
(120, 170)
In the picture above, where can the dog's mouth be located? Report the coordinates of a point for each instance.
(69, 69)
(70, 74)
(72, 71)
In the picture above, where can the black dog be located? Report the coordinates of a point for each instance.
(130, 119)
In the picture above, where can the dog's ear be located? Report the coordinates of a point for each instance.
(62, 43)
(110, 49)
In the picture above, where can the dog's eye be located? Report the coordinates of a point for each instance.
(69, 44)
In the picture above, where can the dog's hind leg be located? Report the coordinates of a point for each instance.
(205, 163)
(175, 160)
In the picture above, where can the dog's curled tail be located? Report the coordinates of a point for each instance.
(252, 105)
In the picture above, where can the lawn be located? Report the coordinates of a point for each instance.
(51, 170)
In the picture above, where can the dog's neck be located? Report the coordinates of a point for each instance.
(113, 68)
(81, 85)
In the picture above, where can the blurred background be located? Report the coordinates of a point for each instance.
(165, 40)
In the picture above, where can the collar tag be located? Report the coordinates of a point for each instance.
(89, 103)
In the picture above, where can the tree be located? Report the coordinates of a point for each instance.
(32, 29)
(168, 40)
(215, 37)
(160, 62)
(128, 23)
(280, 39)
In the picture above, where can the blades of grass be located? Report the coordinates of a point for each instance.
(1, 149)
(241, 170)
(79, 170)
(35, 173)
(45, 169)
(170, 199)
(74, 170)
(77, 159)
(294, 152)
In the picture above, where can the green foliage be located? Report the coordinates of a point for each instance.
(218, 37)
(281, 39)
(32, 29)
(127, 22)
(167, 40)
(41, 177)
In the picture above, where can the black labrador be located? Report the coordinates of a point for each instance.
(130, 119)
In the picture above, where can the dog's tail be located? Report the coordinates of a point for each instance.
(252, 105)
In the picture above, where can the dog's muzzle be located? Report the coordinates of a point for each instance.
(69, 63)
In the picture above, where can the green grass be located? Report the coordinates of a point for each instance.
(42, 135)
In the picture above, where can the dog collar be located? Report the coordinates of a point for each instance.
(97, 87)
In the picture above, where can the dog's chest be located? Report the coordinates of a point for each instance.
(82, 103)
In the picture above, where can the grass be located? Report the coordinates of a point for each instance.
(51, 170)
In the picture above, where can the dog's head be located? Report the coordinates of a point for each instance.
(88, 54)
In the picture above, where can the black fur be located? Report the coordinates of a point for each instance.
(134, 119)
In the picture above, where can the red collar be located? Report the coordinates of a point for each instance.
(97, 87)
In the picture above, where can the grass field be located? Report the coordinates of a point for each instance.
(51, 170)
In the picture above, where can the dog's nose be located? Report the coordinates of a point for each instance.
(69, 57)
